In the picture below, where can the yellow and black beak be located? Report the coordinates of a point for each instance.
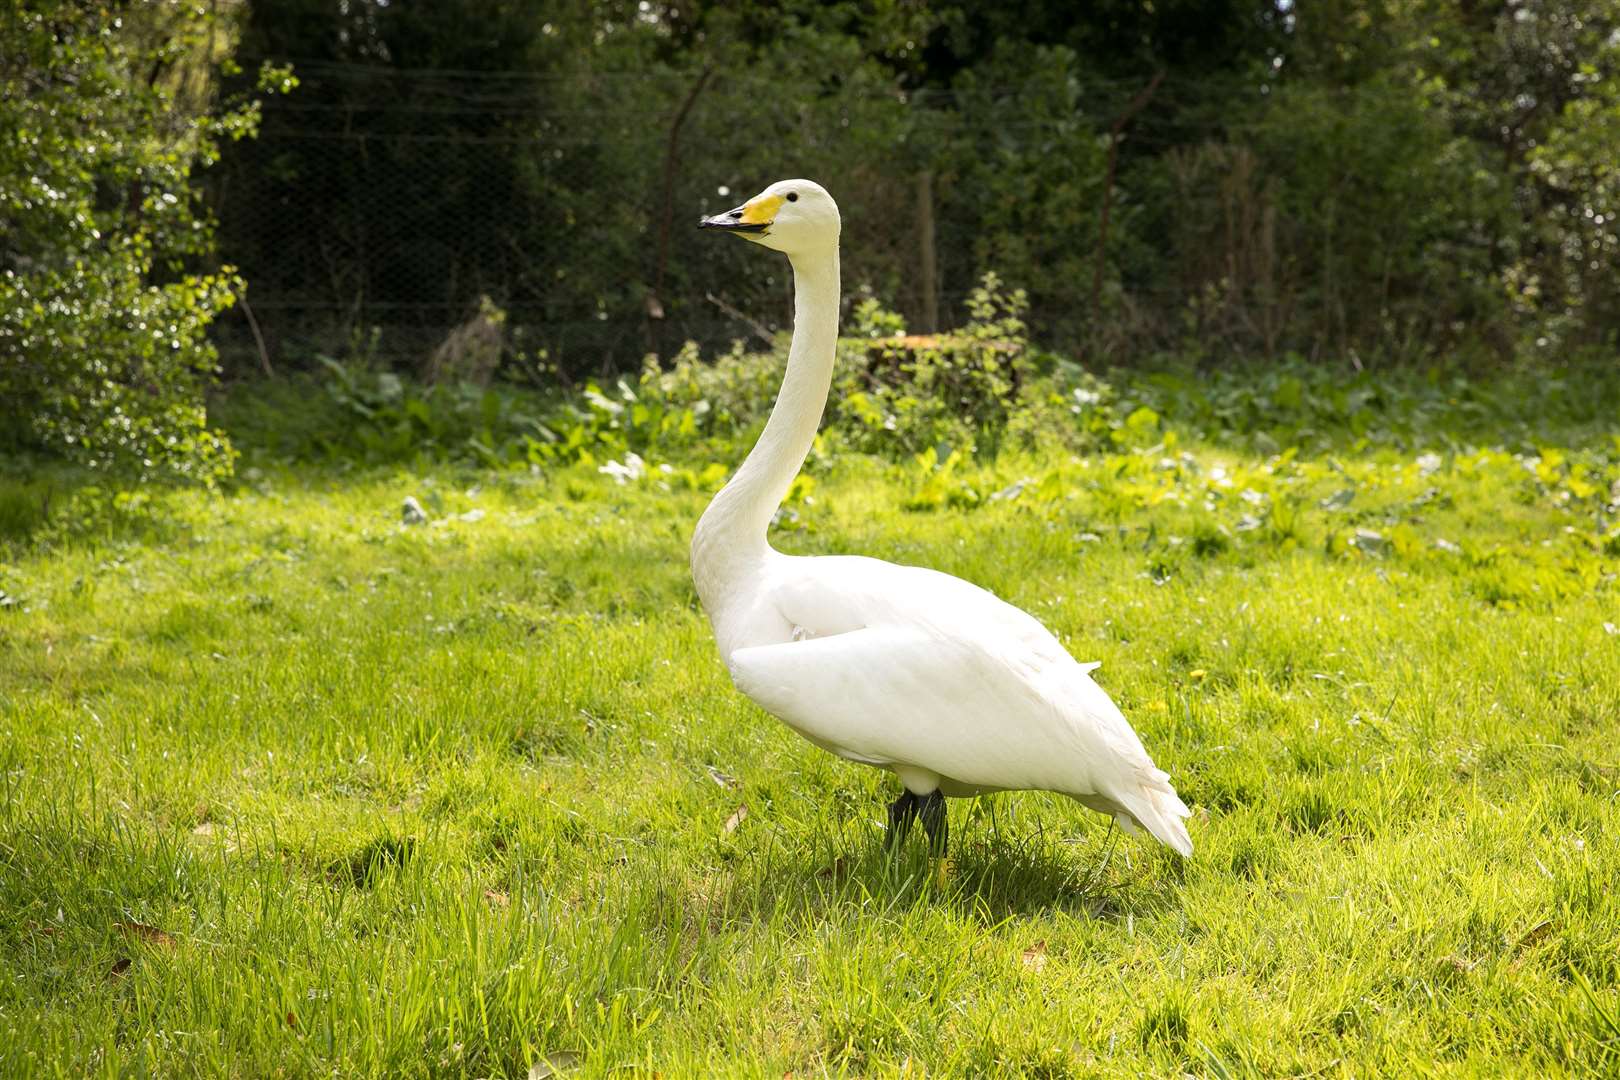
(753, 216)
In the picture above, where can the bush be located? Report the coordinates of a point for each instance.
(103, 307)
(899, 395)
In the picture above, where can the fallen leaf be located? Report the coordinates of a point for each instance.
(723, 779)
(1338, 500)
(1534, 934)
(1370, 541)
(1034, 957)
(147, 933)
(1012, 491)
(738, 816)
(554, 1064)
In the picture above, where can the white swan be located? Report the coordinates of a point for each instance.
(907, 669)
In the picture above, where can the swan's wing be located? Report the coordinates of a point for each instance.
(905, 665)
(972, 704)
(836, 594)
(889, 694)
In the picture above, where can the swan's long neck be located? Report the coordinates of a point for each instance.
(730, 539)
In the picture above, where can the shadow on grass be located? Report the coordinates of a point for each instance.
(365, 866)
(991, 873)
(56, 503)
(26, 505)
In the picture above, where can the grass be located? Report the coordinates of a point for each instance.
(288, 787)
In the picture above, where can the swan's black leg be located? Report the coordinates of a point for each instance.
(931, 808)
(902, 812)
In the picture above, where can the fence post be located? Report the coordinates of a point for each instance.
(1114, 131)
(655, 302)
(927, 261)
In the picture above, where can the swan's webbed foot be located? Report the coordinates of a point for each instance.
(902, 812)
(935, 819)
(907, 809)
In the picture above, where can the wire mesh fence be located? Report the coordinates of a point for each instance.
(379, 209)
(382, 208)
(384, 241)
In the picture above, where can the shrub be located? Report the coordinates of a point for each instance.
(900, 395)
(103, 313)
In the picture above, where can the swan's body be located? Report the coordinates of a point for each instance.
(907, 669)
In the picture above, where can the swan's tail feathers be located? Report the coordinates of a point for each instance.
(1158, 809)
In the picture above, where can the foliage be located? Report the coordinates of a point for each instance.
(541, 187)
(1025, 167)
(932, 403)
(899, 395)
(894, 396)
(1579, 165)
(105, 291)
(1324, 226)
(729, 397)
(1501, 83)
(1396, 180)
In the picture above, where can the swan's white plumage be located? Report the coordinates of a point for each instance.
(897, 666)
(912, 669)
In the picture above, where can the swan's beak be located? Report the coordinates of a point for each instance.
(753, 216)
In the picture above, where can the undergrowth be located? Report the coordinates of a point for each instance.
(974, 393)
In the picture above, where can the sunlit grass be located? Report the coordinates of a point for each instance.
(287, 786)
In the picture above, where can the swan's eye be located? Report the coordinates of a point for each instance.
(793, 196)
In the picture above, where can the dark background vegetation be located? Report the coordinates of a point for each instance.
(259, 186)
(1397, 178)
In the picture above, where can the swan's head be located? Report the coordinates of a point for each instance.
(790, 216)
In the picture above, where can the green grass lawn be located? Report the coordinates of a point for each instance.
(290, 788)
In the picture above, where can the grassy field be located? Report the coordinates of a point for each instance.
(288, 787)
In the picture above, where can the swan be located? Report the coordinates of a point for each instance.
(907, 669)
